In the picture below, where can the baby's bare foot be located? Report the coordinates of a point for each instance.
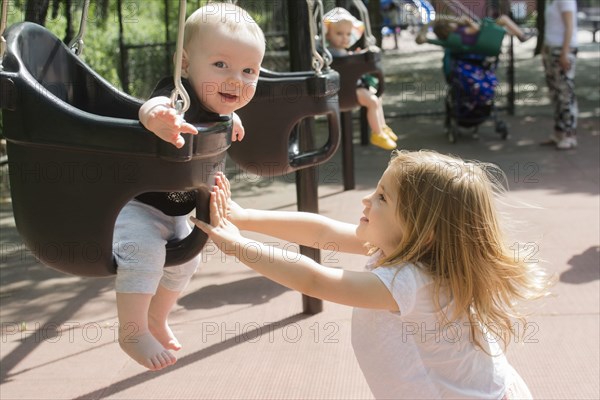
(146, 350)
(163, 333)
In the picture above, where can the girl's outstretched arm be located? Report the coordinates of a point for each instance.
(307, 229)
(358, 289)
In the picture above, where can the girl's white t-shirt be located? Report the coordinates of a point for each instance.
(410, 355)
(554, 27)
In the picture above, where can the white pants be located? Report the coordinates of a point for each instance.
(141, 233)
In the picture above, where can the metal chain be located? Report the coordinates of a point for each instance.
(76, 44)
(317, 60)
(327, 57)
(364, 16)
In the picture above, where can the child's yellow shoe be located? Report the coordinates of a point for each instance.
(388, 131)
(382, 140)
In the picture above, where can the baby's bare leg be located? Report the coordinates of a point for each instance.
(374, 112)
(376, 119)
(158, 313)
(134, 336)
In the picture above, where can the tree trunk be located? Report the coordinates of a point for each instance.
(36, 11)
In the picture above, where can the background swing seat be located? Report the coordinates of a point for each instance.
(351, 68)
(282, 100)
(77, 154)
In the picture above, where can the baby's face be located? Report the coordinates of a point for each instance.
(224, 70)
(339, 34)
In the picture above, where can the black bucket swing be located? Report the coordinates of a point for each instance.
(282, 100)
(77, 153)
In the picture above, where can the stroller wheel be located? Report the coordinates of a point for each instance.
(502, 129)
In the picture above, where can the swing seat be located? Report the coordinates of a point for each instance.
(282, 100)
(488, 43)
(77, 154)
(351, 68)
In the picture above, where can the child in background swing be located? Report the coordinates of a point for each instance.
(342, 30)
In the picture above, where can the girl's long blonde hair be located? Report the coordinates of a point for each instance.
(450, 225)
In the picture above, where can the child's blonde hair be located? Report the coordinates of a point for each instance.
(236, 20)
(450, 225)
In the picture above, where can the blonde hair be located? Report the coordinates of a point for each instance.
(451, 227)
(229, 16)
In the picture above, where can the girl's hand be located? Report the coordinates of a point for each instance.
(222, 183)
(221, 231)
(237, 132)
(235, 213)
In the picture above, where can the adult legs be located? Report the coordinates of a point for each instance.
(561, 85)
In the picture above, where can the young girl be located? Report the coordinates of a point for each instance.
(436, 302)
(342, 30)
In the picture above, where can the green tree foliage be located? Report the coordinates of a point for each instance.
(130, 42)
(143, 24)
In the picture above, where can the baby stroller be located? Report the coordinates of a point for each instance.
(470, 73)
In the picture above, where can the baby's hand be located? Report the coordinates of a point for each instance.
(237, 132)
(161, 119)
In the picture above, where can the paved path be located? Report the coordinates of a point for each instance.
(245, 337)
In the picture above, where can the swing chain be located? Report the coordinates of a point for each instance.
(181, 105)
(317, 61)
(327, 57)
(370, 40)
(76, 44)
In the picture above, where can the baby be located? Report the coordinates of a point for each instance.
(223, 51)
